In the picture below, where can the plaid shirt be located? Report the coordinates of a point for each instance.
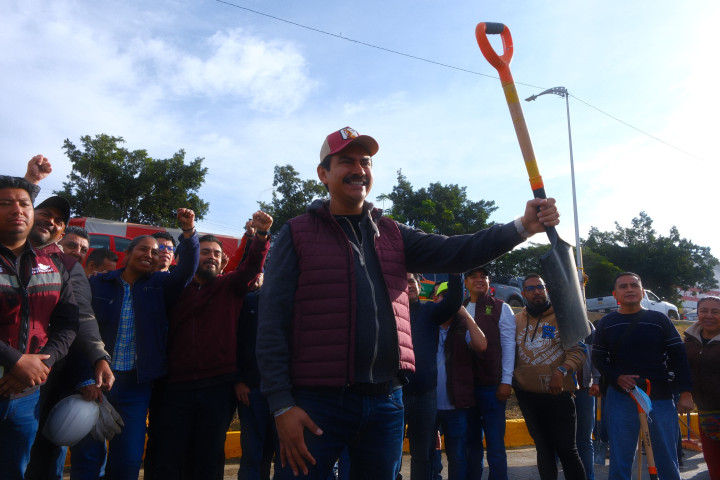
(125, 354)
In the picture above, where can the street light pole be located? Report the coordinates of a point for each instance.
(562, 91)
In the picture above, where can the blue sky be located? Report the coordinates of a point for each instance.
(249, 92)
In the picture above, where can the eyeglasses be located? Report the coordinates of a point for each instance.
(532, 288)
(166, 247)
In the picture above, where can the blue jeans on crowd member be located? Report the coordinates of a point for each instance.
(257, 425)
(341, 469)
(623, 425)
(18, 425)
(585, 407)
(124, 457)
(455, 428)
(488, 418)
(420, 409)
(371, 426)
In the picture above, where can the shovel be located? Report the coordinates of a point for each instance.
(644, 406)
(558, 264)
(600, 448)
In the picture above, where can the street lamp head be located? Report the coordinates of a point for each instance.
(562, 91)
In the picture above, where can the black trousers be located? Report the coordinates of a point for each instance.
(551, 421)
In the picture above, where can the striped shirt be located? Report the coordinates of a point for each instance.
(125, 354)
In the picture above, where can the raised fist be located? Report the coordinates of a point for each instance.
(186, 217)
(261, 221)
(38, 168)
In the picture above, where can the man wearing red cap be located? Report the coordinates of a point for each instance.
(334, 339)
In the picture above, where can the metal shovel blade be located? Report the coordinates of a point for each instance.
(560, 273)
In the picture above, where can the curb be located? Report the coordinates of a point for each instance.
(516, 435)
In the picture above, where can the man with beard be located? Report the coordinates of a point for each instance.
(545, 379)
(334, 344)
(35, 293)
(51, 218)
(200, 399)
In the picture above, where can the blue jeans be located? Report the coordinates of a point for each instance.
(124, 457)
(18, 425)
(488, 418)
(455, 427)
(257, 443)
(371, 426)
(341, 469)
(585, 406)
(623, 426)
(420, 412)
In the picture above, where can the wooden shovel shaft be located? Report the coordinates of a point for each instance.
(645, 431)
(502, 65)
(521, 130)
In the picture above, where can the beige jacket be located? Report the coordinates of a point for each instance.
(539, 352)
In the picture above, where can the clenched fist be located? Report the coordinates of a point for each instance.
(261, 221)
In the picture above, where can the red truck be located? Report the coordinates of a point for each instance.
(116, 236)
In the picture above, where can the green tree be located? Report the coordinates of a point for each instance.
(600, 271)
(290, 195)
(664, 262)
(438, 208)
(519, 262)
(109, 181)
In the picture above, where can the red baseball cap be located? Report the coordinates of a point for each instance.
(337, 141)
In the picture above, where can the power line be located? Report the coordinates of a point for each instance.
(636, 128)
(445, 65)
(359, 42)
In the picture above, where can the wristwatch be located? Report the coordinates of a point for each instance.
(562, 370)
(106, 358)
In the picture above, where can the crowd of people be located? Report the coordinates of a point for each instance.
(326, 354)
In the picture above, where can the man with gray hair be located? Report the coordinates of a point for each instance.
(75, 242)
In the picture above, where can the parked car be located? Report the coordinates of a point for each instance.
(650, 301)
(115, 243)
(508, 289)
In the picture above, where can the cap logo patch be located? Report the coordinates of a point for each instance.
(348, 132)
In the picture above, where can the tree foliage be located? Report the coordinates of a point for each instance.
(290, 195)
(438, 208)
(663, 262)
(600, 271)
(109, 181)
(519, 262)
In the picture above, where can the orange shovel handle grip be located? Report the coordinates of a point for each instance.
(502, 65)
(500, 62)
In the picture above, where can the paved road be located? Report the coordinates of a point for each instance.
(522, 466)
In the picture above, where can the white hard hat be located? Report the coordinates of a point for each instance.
(70, 420)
